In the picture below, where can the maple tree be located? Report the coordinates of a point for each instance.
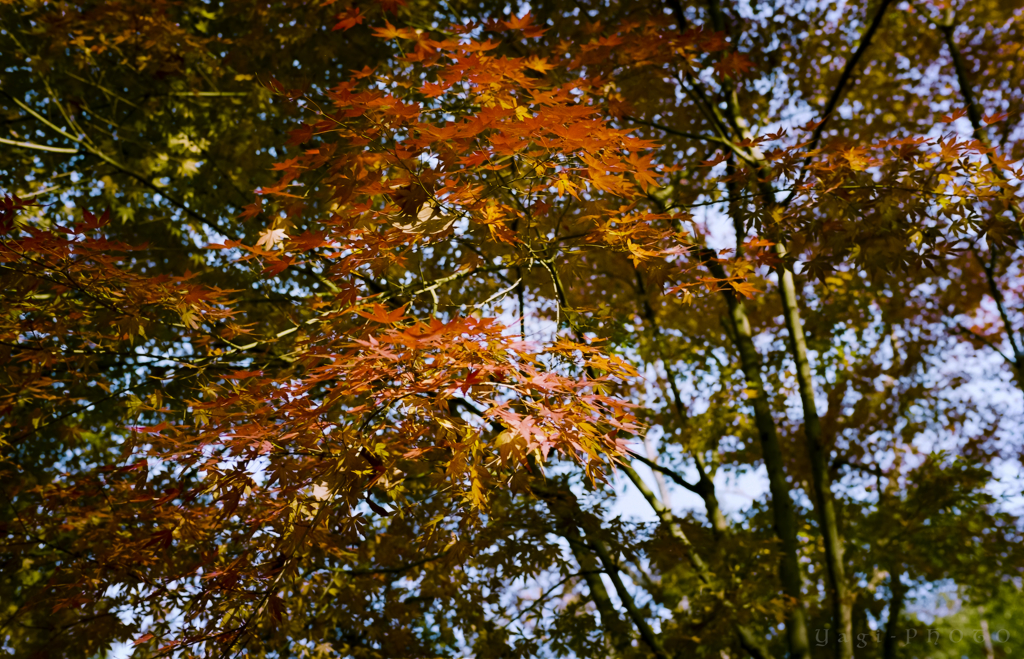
(391, 329)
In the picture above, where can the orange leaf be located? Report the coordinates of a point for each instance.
(380, 314)
(948, 119)
(994, 118)
(241, 375)
(520, 22)
(348, 19)
(719, 158)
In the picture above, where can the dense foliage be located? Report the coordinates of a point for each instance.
(597, 329)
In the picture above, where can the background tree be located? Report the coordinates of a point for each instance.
(366, 329)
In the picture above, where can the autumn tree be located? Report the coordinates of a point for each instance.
(387, 329)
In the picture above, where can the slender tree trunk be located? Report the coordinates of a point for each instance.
(751, 642)
(643, 627)
(824, 501)
(842, 605)
(564, 510)
(782, 504)
(785, 523)
(659, 477)
(892, 625)
(990, 651)
(565, 507)
(647, 634)
(705, 485)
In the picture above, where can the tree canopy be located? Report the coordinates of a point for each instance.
(352, 328)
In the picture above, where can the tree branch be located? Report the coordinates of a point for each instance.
(847, 74)
(673, 131)
(38, 147)
(676, 478)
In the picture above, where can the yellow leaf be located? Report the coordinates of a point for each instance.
(538, 64)
(563, 185)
